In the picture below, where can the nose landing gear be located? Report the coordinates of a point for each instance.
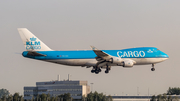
(152, 69)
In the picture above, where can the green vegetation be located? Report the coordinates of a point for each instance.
(67, 97)
(169, 96)
(44, 97)
(96, 97)
(4, 92)
(173, 91)
(15, 97)
(64, 97)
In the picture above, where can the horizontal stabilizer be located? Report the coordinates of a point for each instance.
(33, 53)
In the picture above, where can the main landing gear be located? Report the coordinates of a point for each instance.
(152, 69)
(107, 69)
(97, 69)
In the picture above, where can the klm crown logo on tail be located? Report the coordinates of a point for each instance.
(33, 39)
(33, 44)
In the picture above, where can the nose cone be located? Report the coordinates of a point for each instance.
(164, 55)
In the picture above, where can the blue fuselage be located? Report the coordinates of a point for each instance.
(142, 52)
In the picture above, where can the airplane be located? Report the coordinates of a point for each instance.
(98, 59)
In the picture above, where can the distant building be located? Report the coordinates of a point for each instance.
(77, 89)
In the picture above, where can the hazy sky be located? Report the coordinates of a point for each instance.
(77, 24)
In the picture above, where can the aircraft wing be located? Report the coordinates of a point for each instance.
(101, 56)
(99, 52)
(104, 59)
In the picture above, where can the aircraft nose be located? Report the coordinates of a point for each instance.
(164, 55)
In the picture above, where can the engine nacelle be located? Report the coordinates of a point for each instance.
(116, 60)
(128, 63)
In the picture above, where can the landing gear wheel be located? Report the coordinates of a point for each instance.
(96, 71)
(108, 68)
(106, 71)
(152, 69)
(99, 70)
(92, 71)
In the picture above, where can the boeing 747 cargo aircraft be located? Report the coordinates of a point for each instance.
(95, 58)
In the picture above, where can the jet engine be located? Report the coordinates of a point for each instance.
(116, 60)
(128, 63)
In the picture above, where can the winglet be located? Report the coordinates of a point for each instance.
(93, 48)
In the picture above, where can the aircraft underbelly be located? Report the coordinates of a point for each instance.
(71, 62)
(142, 61)
(92, 62)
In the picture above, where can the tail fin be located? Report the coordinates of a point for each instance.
(31, 42)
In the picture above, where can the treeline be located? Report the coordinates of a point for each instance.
(15, 97)
(4, 92)
(67, 97)
(42, 97)
(47, 97)
(96, 97)
(64, 97)
(6, 96)
(169, 96)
